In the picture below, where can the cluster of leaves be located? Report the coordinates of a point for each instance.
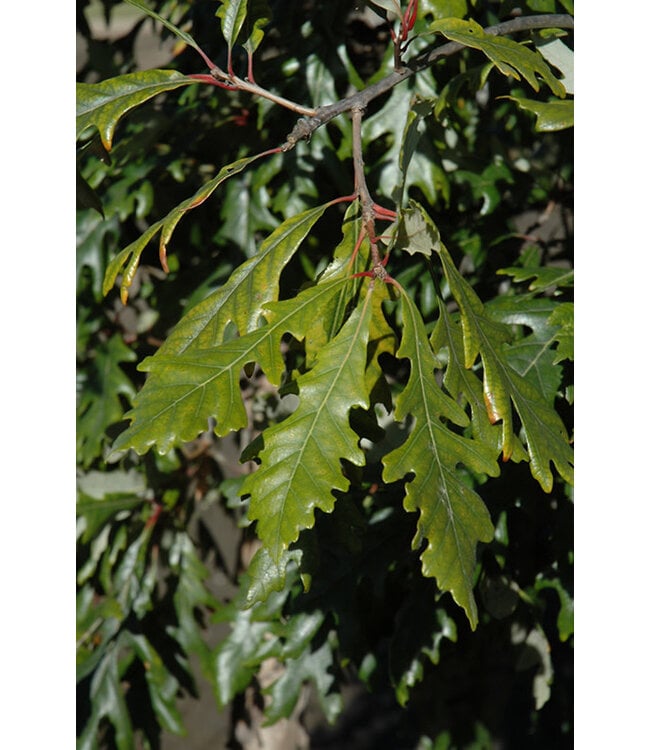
(403, 432)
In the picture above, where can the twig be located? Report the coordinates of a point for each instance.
(242, 84)
(305, 127)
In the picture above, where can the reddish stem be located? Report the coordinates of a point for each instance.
(205, 78)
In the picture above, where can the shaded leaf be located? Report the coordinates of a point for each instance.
(99, 404)
(168, 24)
(510, 57)
(237, 657)
(309, 666)
(416, 233)
(108, 701)
(161, 683)
(453, 518)
(550, 116)
(565, 615)
(532, 355)
(544, 277)
(259, 15)
(420, 629)
(191, 596)
(464, 384)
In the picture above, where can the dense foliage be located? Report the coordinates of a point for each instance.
(353, 349)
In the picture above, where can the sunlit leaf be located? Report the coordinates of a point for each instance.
(510, 57)
(184, 390)
(300, 461)
(232, 14)
(103, 104)
(546, 435)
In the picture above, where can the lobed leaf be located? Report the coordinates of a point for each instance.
(544, 277)
(242, 298)
(464, 385)
(453, 518)
(562, 317)
(187, 388)
(313, 666)
(162, 685)
(99, 404)
(300, 461)
(191, 596)
(546, 436)
(108, 701)
(102, 105)
(510, 57)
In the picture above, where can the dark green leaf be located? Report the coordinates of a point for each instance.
(453, 518)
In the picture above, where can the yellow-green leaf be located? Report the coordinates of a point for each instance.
(301, 458)
(103, 104)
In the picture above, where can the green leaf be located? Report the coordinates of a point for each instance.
(191, 597)
(184, 390)
(416, 233)
(301, 456)
(565, 615)
(405, 161)
(127, 260)
(102, 105)
(544, 277)
(444, 8)
(546, 435)
(162, 685)
(561, 57)
(232, 14)
(98, 512)
(485, 186)
(510, 57)
(420, 629)
(237, 657)
(259, 15)
(562, 316)
(310, 666)
(389, 6)
(168, 24)
(464, 384)
(551, 116)
(267, 575)
(107, 697)
(453, 518)
(532, 355)
(99, 404)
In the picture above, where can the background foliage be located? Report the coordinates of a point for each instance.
(461, 144)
